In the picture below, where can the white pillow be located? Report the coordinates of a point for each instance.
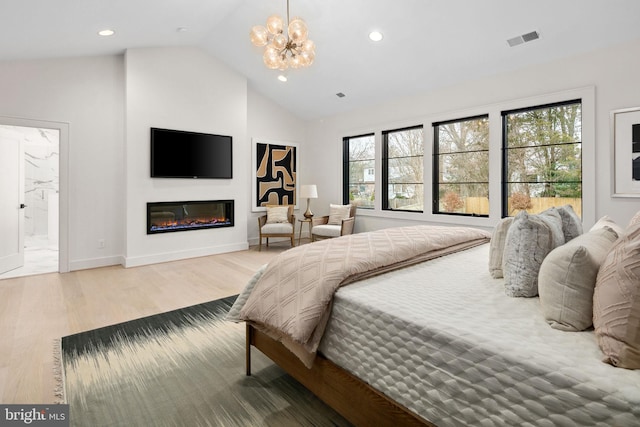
(567, 279)
(606, 221)
(496, 247)
(337, 213)
(277, 214)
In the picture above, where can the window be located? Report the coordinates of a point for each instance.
(402, 169)
(359, 170)
(461, 167)
(542, 158)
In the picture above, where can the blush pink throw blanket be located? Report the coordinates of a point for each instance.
(291, 301)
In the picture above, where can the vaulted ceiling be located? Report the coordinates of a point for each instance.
(427, 43)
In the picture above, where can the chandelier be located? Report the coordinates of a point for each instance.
(282, 51)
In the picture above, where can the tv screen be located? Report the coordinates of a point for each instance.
(181, 154)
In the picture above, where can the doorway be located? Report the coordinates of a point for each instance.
(41, 231)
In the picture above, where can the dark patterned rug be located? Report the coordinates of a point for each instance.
(181, 368)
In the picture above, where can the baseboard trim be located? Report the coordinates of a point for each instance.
(176, 256)
(85, 264)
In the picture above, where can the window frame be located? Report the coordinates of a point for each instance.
(346, 160)
(385, 168)
(504, 184)
(435, 194)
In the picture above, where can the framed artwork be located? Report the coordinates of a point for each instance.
(275, 173)
(625, 137)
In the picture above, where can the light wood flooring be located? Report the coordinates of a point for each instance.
(37, 310)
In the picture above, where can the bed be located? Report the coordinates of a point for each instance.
(439, 343)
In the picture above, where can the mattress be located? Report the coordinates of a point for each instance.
(443, 339)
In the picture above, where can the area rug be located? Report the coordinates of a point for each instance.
(181, 368)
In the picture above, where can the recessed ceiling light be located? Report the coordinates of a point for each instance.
(282, 78)
(375, 36)
(106, 33)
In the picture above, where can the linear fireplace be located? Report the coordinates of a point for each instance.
(163, 217)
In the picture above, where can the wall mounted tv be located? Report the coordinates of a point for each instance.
(181, 154)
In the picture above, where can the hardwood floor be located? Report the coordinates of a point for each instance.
(37, 310)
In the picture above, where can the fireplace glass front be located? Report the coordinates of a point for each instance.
(163, 217)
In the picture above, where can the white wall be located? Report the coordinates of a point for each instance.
(86, 93)
(178, 88)
(268, 121)
(183, 89)
(613, 72)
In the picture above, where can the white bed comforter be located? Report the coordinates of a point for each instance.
(443, 339)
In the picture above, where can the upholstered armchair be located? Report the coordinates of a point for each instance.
(339, 222)
(278, 222)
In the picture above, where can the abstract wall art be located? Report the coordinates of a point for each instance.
(275, 168)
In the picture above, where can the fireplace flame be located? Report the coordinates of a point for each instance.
(189, 223)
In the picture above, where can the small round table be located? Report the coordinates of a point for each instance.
(302, 221)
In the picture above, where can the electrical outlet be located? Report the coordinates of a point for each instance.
(101, 244)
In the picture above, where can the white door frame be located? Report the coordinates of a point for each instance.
(63, 165)
(12, 184)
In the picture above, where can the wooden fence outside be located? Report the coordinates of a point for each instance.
(480, 205)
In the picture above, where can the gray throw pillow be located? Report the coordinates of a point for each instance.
(571, 222)
(567, 279)
(529, 239)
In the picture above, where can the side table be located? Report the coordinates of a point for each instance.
(302, 221)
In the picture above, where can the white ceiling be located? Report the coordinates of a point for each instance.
(427, 43)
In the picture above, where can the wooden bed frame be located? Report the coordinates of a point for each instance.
(352, 398)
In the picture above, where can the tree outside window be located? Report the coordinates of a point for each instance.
(461, 167)
(542, 158)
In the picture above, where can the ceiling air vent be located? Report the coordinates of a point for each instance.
(515, 41)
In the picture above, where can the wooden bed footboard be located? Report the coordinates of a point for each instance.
(355, 400)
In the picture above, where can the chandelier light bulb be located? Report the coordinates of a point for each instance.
(259, 36)
(295, 61)
(271, 58)
(275, 24)
(298, 30)
(279, 41)
(308, 46)
(307, 58)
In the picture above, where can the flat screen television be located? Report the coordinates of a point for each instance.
(182, 154)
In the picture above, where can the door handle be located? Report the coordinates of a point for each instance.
(22, 206)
